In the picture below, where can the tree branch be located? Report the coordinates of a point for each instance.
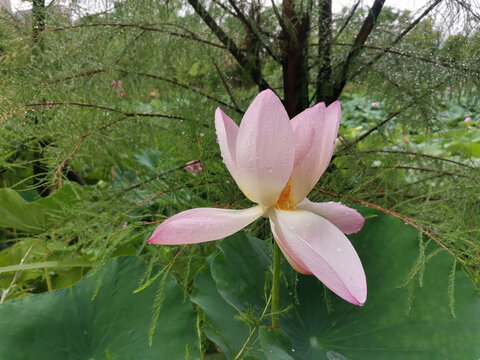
(402, 34)
(360, 40)
(347, 20)
(407, 220)
(192, 35)
(228, 42)
(379, 125)
(324, 50)
(47, 105)
(411, 56)
(225, 84)
(253, 30)
(158, 77)
(449, 173)
(438, 158)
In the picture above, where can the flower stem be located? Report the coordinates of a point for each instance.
(277, 260)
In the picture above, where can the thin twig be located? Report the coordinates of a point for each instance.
(225, 84)
(405, 219)
(141, 27)
(80, 140)
(76, 76)
(379, 125)
(402, 34)
(394, 83)
(230, 45)
(414, 154)
(101, 107)
(159, 176)
(171, 81)
(347, 20)
(426, 170)
(411, 56)
(153, 76)
(253, 30)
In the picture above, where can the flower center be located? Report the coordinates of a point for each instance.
(284, 201)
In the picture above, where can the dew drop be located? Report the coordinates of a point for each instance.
(339, 249)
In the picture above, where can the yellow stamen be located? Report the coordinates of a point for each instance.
(284, 201)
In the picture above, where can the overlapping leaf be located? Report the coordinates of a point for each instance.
(432, 312)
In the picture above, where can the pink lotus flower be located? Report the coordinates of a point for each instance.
(374, 104)
(467, 119)
(276, 162)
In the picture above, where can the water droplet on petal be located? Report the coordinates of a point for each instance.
(339, 249)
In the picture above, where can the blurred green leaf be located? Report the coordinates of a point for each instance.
(39, 215)
(68, 324)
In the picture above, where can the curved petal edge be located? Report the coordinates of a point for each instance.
(203, 224)
(316, 245)
(348, 220)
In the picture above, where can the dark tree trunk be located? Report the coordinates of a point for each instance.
(294, 38)
(253, 45)
(324, 89)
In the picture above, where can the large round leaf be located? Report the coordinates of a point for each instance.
(68, 324)
(408, 314)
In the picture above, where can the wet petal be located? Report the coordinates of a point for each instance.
(203, 224)
(315, 131)
(320, 248)
(227, 132)
(264, 149)
(348, 220)
(293, 260)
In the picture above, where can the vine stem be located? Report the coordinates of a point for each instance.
(277, 260)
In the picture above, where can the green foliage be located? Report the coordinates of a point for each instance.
(89, 165)
(408, 315)
(115, 323)
(39, 215)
